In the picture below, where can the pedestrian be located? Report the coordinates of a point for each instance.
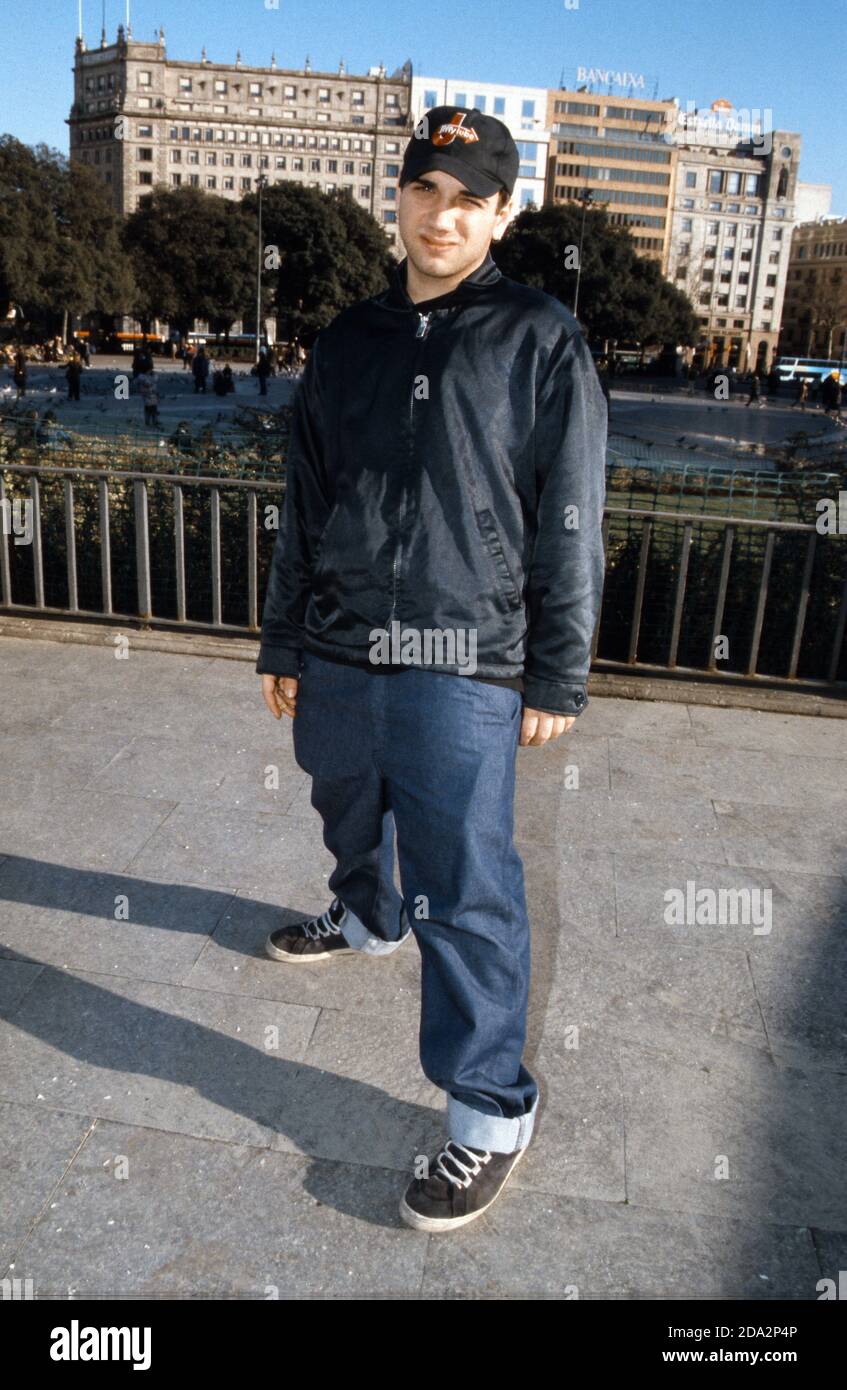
(150, 395)
(801, 395)
(229, 381)
(478, 541)
(200, 369)
(19, 373)
(73, 376)
(831, 395)
(263, 371)
(755, 386)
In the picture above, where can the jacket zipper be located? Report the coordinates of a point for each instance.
(424, 321)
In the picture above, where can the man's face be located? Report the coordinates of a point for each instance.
(445, 228)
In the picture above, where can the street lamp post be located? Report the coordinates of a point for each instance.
(585, 198)
(261, 182)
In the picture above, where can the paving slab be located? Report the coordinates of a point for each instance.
(270, 1114)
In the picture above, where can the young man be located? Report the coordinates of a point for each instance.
(432, 598)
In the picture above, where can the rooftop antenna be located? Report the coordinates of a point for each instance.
(128, 22)
(103, 28)
(79, 22)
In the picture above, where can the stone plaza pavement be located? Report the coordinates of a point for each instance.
(181, 1117)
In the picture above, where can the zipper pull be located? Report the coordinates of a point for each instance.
(423, 326)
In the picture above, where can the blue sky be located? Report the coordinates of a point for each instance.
(785, 55)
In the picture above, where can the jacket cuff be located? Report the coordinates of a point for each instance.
(551, 697)
(278, 661)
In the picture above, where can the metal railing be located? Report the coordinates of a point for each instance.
(683, 521)
(141, 483)
(730, 526)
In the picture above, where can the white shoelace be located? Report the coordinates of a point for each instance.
(449, 1151)
(324, 926)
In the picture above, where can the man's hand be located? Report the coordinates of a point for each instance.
(537, 727)
(280, 694)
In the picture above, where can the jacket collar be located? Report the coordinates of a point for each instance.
(396, 297)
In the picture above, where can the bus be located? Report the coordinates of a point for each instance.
(811, 369)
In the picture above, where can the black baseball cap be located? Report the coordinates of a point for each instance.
(477, 150)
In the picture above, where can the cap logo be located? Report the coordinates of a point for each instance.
(447, 133)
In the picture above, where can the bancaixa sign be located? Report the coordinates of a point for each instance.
(616, 77)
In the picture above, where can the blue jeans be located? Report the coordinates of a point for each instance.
(432, 756)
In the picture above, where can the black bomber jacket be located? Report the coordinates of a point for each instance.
(446, 470)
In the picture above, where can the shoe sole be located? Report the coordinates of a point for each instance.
(276, 954)
(439, 1223)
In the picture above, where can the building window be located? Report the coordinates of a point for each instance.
(773, 258)
(176, 156)
(712, 228)
(527, 109)
(220, 86)
(211, 157)
(185, 84)
(229, 183)
(145, 103)
(733, 207)
(430, 100)
(499, 106)
(246, 182)
(461, 99)
(144, 78)
(280, 161)
(733, 181)
(228, 159)
(715, 181)
(255, 89)
(728, 253)
(323, 94)
(687, 224)
(145, 131)
(194, 180)
(176, 180)
(193, 156)
(246, 161)
(776, 235)
(714, 207)
(388, 214)
(751, 184)
(691, 179)
(770, 281)
(767, 303)
(688, 202)
(145, 177)
(211, 181)
(145, 152)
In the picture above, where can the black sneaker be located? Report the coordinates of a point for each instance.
(315, 938)
(462, 1184)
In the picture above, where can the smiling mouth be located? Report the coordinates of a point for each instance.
(438, 245)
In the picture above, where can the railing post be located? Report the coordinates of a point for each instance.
(142, 549)
(105, 545)
(179, 552)
(70, 545)
(215, 536)
(5, 570)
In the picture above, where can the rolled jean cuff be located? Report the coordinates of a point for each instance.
(356, 934)
(494, 1133)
